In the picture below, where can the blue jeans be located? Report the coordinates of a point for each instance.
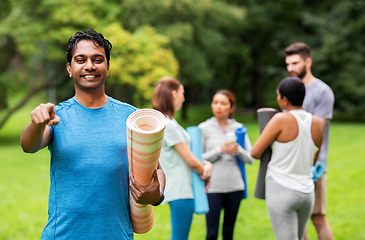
(182, 211)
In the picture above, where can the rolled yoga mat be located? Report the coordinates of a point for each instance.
(240, 133)
(201, 205)
(145, 131)
(264, 115)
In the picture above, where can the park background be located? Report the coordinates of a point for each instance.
(206, 44)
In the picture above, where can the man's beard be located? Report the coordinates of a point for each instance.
(301, 74)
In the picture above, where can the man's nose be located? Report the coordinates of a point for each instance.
(89, 65)
(289, 67)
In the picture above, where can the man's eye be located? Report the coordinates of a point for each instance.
(79, 60)
(98, 60)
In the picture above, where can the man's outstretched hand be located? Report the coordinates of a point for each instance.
(44, 114)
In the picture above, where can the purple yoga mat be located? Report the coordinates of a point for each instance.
(263, 115)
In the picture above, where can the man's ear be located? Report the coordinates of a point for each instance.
(68, 68)
(308, 62)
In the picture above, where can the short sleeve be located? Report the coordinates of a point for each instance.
(248, 146)
(174, 134)
(319, 100)
(324, 108)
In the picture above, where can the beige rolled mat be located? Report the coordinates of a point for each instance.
(145, 131)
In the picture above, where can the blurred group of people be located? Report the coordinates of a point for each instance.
(90, 181)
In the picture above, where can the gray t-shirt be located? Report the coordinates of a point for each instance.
(319, 100)
(226, 176)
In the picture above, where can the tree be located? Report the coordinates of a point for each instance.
(139, 60)
(341, 53)
(224, 44)
(207, 44)
(36, 34)
(202, 35)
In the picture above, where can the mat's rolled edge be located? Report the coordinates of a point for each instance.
(240, 133)
(201, 205)
(152, 116)
(264, 115)
(143, 224)
(146, 112)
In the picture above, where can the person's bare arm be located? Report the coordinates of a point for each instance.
(204, 170)
(161, 178)
(36, 135)
(317, 128)
(323, 121)
(268, 136)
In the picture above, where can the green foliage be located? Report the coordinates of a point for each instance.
(341, 53)
(207, 44)
(33, 41)
(201, 34)
(140, 60)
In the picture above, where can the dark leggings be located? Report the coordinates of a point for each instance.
(230, 202)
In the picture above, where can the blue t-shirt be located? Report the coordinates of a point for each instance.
(89, 172)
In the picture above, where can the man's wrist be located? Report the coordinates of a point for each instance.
(160, 201)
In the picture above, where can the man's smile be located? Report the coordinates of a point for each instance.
(90, 76)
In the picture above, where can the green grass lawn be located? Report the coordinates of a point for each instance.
(24, 182)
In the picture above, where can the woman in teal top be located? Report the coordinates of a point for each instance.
(177, 161)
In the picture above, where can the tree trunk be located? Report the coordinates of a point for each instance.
(256, 78)
(236, 77)
(3, 98)
(26, 99)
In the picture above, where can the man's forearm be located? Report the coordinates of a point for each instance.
(31, 139)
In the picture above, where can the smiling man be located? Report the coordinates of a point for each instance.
(319, 100)
(86, 137)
